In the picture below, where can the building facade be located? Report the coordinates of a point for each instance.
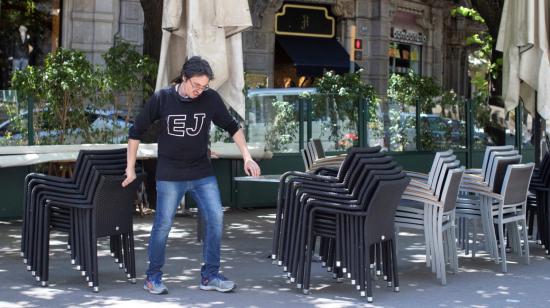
(395, 36)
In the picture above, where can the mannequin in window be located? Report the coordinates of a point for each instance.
(21, 50)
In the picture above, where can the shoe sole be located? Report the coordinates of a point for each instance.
(210, 288)
(155, 292)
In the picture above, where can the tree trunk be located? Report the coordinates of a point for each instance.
(491, 11)
(152, 32)
(152, 38)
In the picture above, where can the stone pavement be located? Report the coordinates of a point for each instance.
(246, 245)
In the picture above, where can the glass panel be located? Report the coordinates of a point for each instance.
(443, 125)
(13, 120)
(488, 124)
(273, 118)
(394, 126)
(526, 128)
(334, 122)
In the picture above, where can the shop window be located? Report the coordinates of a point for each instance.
(29, 30)
(404, 58)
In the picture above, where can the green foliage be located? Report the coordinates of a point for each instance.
(348, 86)
(340, 94)
(483, 68)
(412, 88)
(406, 91)
(284, 128)
(60, 89)
(68, 85)
(480, 59)
(467, 12)
(127, 73)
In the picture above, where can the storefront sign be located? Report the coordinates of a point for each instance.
(408, 36)
(304, 20)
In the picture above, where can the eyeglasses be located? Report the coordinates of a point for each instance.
(198, 87)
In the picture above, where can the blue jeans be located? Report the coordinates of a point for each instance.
(206, 194)
(19, 64)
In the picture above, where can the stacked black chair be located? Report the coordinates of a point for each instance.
(289, 179)
(350, 213)
(91, 204)
(539, 201)
(314, 158)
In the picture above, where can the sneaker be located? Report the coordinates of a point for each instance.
(155, 286)
(217, 283)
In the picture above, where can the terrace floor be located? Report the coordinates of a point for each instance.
(245, 247)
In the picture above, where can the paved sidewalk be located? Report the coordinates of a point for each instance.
(246, 245)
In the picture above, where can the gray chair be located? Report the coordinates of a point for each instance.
(473, 203)
(436, 218)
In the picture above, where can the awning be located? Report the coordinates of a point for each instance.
(312, 56)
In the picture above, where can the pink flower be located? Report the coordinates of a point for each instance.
(351, 136)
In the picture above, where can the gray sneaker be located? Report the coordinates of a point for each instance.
(155, 286)
(217, 283)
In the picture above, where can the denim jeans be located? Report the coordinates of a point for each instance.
(206, 194)
(20, 64)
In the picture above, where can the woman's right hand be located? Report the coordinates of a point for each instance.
(130, 176)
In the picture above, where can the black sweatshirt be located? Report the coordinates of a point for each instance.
(184, 131)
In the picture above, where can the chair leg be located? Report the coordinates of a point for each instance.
(439, 247)
(368, 274)
(394, 266)
(474, 239)
(502, 246)
(525, 241)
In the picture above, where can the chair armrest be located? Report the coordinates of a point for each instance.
(329, 171)
(416, 183)
(412, 195)
(472, 177)
(329, 198)
(473, 171)
(417, 175)
(52, 179)
(306, 175)
(317, 203)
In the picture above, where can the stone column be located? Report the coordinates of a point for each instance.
(91, 25)
(374, 23)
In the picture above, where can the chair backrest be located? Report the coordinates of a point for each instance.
(544, 169)
(99, 162)
(318, 146)
(305, 157)
(437, 157)
(492, 156)
(433, 183)
(494, 148)
(372, 180)
(83, 154)
(367, 172)
(450, 190)
(498, 170)
(379, 222)
(114, 205)
(366, 161)
(444, 177)
(352, 152)
(312, 152)
(516, 183)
